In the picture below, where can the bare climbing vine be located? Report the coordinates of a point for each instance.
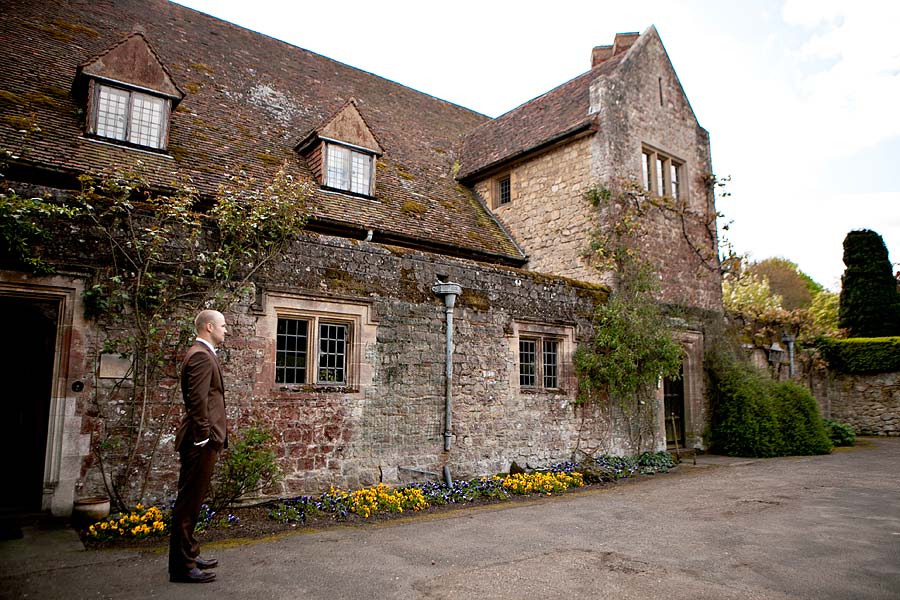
(162, 256)
(632, 346)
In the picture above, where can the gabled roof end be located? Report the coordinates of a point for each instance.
(346, 125)
(133, 61)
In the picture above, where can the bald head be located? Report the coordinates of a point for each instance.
(210, 325)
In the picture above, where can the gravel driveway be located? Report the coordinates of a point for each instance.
(811, 527)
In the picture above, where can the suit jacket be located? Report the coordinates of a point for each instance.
(204, 399)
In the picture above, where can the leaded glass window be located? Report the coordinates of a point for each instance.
(130, 116)
(329, 349)
(347, 169)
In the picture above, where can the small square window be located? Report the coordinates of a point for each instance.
(361, 173)
(676, 184)
(347, 169)
(338, 173)
(660, 175)
(112, 113)
(527, 363)
(332, 353)
(539, 363)
(646, 178)
(292, 351)
(551, 364)
(130, 116)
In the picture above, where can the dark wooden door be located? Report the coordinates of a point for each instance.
(673, 390)
(27, 354)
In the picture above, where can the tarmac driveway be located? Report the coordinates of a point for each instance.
(812, 527)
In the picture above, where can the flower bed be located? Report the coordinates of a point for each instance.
(138, 524)
(381, 500)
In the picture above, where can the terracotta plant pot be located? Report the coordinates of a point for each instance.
(90, 510)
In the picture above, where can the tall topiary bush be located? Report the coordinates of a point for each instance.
(869, 302)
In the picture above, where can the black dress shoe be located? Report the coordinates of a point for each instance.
(195, 575)
(206, 563)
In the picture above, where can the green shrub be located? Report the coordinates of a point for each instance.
(799, 424)
(754, 416)
(841, 434)
(743, 420)
(248, 466)
(655, 462)
(862, 355)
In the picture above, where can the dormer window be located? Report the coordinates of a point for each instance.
(342, 151)
(129, 116)
(348, 169)
(129, 94)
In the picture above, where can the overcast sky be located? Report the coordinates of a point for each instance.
(800, 97)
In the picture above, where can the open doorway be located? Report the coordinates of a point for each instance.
(673, 390)
(27, 356)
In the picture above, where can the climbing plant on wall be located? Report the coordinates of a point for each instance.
(165, 259)
(632, 346)
(158, 257)
(23, 220)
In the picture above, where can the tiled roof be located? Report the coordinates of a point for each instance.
(550, 117)
(249, 99)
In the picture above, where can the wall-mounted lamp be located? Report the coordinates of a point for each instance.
(776, 354)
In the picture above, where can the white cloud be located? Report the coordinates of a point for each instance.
(853, 86)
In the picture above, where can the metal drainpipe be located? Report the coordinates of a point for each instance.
(789, 340)
(449, 291)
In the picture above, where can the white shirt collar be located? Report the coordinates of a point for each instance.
(208, 345)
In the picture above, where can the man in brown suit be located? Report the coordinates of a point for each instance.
(200, 438)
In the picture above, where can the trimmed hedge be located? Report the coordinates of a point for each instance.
(755, 416)
(862, 355)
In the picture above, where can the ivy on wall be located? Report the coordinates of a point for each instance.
(632, 346)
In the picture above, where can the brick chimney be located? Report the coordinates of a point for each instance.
(623, 42)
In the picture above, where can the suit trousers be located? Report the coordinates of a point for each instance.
(197, 464)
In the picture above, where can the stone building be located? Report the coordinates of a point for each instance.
(433, 228)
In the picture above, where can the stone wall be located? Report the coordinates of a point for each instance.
(642, 104)
(387, 423)
(870, 402)
(548, 214)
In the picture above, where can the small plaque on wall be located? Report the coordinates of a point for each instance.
(114, 366)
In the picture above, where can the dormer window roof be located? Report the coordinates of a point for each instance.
(342, 152)
(130, 94)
